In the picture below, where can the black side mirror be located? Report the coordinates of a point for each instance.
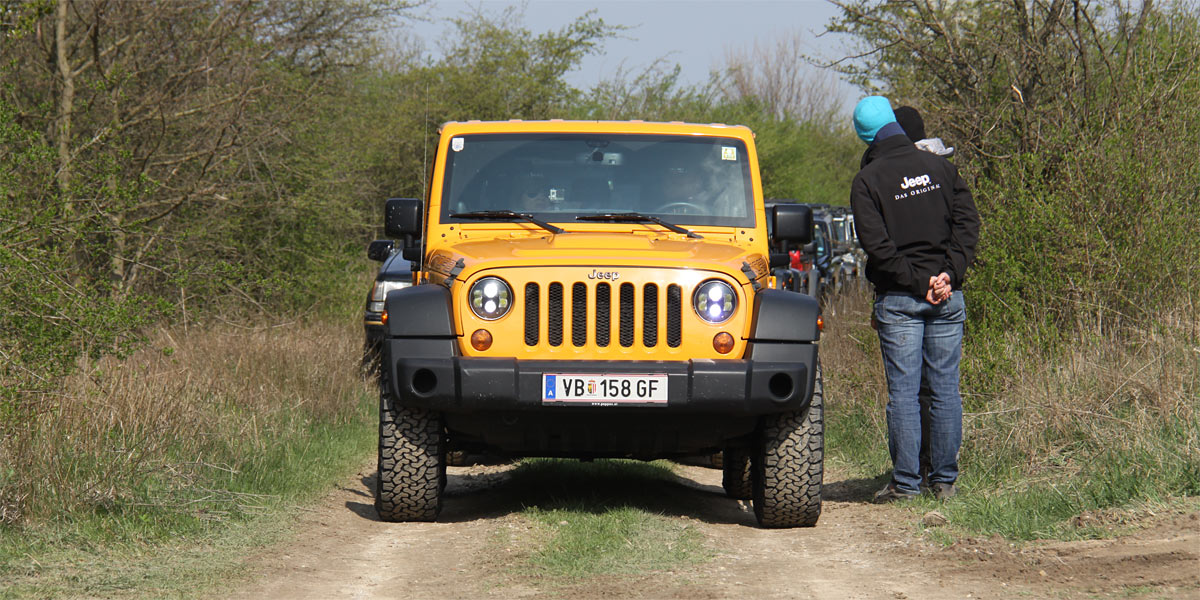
(779, 260)
(379, 249)
(402, 217)
(792, 223)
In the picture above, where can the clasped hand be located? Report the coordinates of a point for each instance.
(939, 289)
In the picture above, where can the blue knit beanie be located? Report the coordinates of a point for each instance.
(872, 113)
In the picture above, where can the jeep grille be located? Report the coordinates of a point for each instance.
(583, 294)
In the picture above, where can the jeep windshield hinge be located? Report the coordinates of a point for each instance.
(453, 274)
(749, 271)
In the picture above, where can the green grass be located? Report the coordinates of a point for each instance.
(608, 517)
(178, 551)
(624, 540)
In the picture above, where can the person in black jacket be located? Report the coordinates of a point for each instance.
(913, 125)
(919, 227)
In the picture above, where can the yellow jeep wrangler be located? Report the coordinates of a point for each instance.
(599, 289)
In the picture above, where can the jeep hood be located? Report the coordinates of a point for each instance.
(600, 250)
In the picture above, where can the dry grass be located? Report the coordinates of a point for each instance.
(1104, 420)
(850, 358)
(167, 426)
(1100, 392)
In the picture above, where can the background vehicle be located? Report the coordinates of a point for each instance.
(395, 272)
(598, 289)
(849, 261)
(822, 250)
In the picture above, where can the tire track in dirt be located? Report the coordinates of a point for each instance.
(857, 551)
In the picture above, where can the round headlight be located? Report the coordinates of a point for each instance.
(714, 301)
(490, 298)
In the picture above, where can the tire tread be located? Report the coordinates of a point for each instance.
(789, 465)
(412, 461)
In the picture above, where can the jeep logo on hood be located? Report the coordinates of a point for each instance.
(609, 275)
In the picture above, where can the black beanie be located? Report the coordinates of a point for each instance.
(910, 121)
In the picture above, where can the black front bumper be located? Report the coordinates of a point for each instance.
(741, 387)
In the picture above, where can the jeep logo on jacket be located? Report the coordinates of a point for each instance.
(914, 215)
(912, 182)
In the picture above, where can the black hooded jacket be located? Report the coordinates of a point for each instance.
(915, 217)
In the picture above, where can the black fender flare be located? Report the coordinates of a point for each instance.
(784, 329)
(784, 316)
(420, 325)
(420, 311)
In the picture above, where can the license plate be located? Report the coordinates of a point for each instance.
(604, 389)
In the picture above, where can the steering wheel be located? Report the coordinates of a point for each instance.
(688, 208)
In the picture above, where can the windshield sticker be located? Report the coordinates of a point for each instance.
(728, 153)
(456, 144)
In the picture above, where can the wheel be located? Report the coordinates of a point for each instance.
(735, 474)
(788, 465)
(688, 209)
(412, 461)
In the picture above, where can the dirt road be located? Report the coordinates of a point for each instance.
(858, 550)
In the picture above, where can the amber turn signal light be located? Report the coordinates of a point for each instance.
(723, 342)
(481, 340)
(383, 317)
(820, 323)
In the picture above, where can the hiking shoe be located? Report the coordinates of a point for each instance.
(944, 491)
(892, 494)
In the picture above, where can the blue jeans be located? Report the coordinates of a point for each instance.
(917, 337)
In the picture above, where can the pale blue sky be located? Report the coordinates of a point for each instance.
(696, 34)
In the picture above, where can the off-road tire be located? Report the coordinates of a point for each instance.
(789, 463)
(736, 474)
(412, 461)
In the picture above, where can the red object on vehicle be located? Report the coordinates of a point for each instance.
(796, 256)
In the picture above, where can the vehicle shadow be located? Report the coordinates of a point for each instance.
(595, 487)
(859, 490)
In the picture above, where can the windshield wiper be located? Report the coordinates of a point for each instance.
(633, 217)
(500, 215)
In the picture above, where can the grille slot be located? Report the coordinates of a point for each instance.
(579, 316)
(603, 314)
(554, 325)
(674, 316)
(650, 315)
(626, 334)
(531, 314)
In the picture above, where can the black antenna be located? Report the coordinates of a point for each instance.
(424, 172)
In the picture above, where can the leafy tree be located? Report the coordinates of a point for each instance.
(148, 160)
(1079, 122)
(494, 70)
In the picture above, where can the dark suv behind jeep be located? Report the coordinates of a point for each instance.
(395, 272)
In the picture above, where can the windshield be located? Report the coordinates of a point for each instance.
(557, 177)
(821, 237)
(839, 230)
